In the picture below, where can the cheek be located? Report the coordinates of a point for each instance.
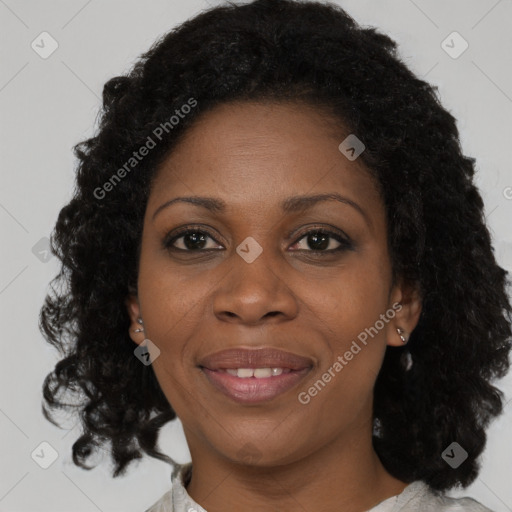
(169, 299)
(171, 311)
(353, 346)
(348, 311)
(353, 297)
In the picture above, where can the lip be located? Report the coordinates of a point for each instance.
(252, 390)
(255, 358)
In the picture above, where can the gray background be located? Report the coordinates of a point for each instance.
(48, 105)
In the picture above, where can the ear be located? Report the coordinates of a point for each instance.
(406, 302)
(136, 330)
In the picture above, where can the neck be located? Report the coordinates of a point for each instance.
(345, 474)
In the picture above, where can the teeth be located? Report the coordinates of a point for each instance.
(259, 373)
(262, 372)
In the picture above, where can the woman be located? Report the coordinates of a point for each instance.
(276, 238)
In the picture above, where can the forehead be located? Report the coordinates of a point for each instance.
(262, 153)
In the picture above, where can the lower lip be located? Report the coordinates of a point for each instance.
(252, 389)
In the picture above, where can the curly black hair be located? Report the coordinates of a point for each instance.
(311, 53)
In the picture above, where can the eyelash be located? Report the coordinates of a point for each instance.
(342, 239)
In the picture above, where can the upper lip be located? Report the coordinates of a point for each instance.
(255, 358)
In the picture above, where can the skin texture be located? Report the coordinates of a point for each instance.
(253, 156)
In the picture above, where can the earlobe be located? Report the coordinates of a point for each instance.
(407, 316)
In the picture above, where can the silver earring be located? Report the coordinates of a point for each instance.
(139, 321)
(401, 333)
(406, 360)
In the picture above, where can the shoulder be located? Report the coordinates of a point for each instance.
(418, 496)
(164, 504)
(176, 499)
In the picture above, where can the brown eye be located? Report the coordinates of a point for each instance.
(192, 240)
(323, 241)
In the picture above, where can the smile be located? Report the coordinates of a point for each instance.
(243, 385)
(250, 376)
(258, 373)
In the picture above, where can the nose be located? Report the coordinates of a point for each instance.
(254, 293)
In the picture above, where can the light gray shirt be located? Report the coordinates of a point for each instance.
(416, 497)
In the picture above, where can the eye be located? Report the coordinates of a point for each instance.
(323, 241)
(191, 240)
(318, 241)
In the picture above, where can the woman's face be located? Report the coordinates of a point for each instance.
(255, 273)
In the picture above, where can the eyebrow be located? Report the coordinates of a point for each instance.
(289, 205)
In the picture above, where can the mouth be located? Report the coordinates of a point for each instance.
(252, 376)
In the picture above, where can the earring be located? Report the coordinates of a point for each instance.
(406, 360)
(401, 333)
(139, 321)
